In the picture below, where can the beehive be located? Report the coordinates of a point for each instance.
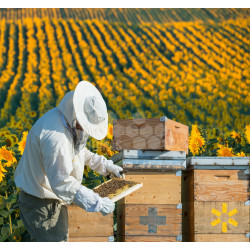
(150, 134)
(153, 212)
(215, 198)
(89, 227)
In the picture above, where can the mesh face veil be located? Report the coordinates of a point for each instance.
(80, 137)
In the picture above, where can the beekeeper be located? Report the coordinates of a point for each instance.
(50, 171)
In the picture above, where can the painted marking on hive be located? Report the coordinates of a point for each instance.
(152, 220)
(224, 208)
(215, 222)
(216, 212)
(224, 227)
(224, 223)
(233, 212)
(233, 222)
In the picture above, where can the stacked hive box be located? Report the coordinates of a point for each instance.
(89, 227)
(154, 212)
(215, 199)
(150, 134)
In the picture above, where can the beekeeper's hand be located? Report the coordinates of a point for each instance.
(114, 169)
(108, 206)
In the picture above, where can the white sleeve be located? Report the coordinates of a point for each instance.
(96, 162)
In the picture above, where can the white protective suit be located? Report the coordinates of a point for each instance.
(51, 168)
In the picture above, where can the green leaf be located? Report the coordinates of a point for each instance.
(4, 237)
(4, 213)
(97, 182)
(19, 231)
(20, 223)
(1, 220)
(5, 233)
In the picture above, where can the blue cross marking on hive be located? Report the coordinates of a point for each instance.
(152, 220)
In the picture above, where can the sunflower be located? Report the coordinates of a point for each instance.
(20, 125)
(13, 124)
(32, 114)
(2, 171)
(236, 136)
(4, 133)
(9, 141)
(22, 143)
(196, 141)
(15, 139)
(110, 132)
(224, 150)
(248, 133)
(102, 149)
(241, 154)
(7, 155)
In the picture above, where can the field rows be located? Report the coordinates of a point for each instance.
(128, 15)
(190, 72)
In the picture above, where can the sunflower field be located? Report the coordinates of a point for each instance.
(191, 65)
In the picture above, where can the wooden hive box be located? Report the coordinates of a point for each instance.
(215, 199)
(153, 212)
(89, 227)
(150, 134)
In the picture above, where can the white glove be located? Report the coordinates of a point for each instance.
(88, 199)
(114, 169)
(108, 206)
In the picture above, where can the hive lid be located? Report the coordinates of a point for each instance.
(200, 162)
(148, 155)
(152, 165)
(121, 192)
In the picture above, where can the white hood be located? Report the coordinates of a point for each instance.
(67, 108)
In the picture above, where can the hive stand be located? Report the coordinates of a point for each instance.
(153, 212)
(215, 199)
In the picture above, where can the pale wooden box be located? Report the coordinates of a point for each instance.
(150, 134)
(149, 222)
(153, 212)
(215, 199)
(89, 227)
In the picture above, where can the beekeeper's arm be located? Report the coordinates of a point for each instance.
(100, 164)
(58, 167)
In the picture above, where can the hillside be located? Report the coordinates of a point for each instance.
(193, 72)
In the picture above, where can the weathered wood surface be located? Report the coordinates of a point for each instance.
(215, 185)
(149, 220)
(150, 134)
(221, 217)
(89, 239)
(132, 238)
(215, 218)
(83, 224)
(221, 238)
(158, 188)
(176, 136)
